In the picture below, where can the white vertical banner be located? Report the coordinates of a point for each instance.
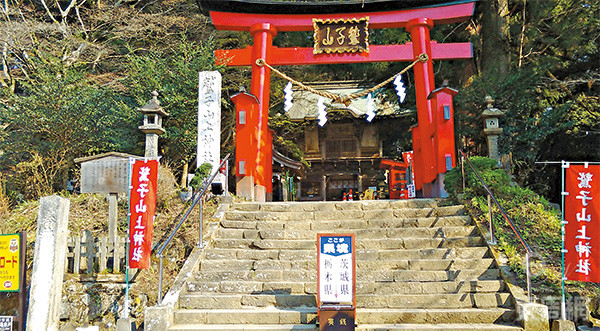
(336, 268)
(209, 118)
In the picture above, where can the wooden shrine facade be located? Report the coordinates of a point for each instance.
(264, 19)
(344, 155)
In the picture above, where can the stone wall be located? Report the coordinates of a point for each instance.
(87, 302)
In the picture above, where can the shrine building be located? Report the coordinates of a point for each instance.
(345, 153)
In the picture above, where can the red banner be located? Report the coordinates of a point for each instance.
(582, 231)
(142, 205)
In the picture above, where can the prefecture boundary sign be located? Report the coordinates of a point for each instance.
(336, 278)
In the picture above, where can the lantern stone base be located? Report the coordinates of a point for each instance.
(244, 187)
(125, 324)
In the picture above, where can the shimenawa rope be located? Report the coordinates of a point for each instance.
(345, 99)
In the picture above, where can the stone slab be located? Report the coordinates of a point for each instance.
(560, 325)
(533, 316)
(48, 264)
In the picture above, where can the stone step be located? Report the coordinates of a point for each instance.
(301, 275)
(331, 205)
(381, 288)
(364, 316)
(362, 254)
(434, 232)
(392, 243)
(435, 301)
(238, 301)
(428, 275)
(422, 254)
(334, 214)
(381, 223)
(397, 301)
(419, 267)
(432, 327)
(345, 224)
(368, 327)
(435, 316)
(247, 327)
(385, 288)
(248, 315)
(311, 264)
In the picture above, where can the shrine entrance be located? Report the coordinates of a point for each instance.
(341, 36)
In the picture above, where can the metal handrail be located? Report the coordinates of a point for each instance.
(491, 196)
(197, 199)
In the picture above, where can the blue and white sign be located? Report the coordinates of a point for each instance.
(6, 323)
(336, 268)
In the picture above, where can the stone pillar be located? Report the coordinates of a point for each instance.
(533, 316)
(151, 145)
(48, 264)
(113, 215)
(492, 142)
(560, 325)
(208, 149)
(492, 127)
(324, 188)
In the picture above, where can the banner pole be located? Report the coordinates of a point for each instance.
(563, 309)
(23, 281)
(126, 301)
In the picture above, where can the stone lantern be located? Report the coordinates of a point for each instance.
(152, 126)
(492, 127)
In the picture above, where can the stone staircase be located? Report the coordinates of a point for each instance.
(419, 267)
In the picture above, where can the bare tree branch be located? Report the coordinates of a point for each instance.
(79, 18)
(48, 11)
(5, 10)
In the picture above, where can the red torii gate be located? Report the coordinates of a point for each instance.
(254, 146)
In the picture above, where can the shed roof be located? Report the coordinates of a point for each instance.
(105, 155)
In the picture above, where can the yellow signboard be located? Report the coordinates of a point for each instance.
(9, 262)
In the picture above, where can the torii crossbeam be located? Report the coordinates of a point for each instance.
(264, 18)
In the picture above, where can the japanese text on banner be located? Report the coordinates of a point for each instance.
(582, 231)
(142, 206)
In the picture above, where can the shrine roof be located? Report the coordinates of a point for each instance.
(286, 161)
(305, 102)
(109, 155)
(316, 6)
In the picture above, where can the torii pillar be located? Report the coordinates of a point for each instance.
(424, 84)
(263, 34)
(230, 15)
